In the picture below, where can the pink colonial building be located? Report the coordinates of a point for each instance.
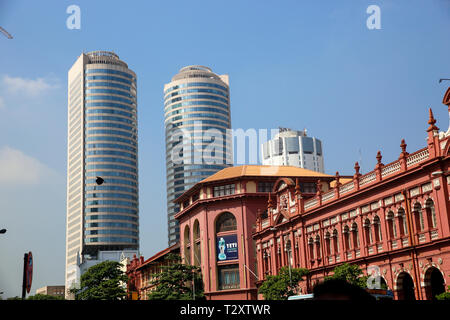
(217, 219)
(394, 219)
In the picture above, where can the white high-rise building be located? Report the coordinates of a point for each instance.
(293, 148)
(102, 217)
(196, 104)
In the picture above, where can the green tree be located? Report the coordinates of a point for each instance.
(175, 281)
(283, 285)
(444, 295)
(350, 273)
(102, 282)
(40, 296)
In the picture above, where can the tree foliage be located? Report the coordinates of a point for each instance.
(102, 282)
(283, 285)
(350, 273)
(444, 295)
(175, 281)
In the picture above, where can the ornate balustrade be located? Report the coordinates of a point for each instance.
(417, 157)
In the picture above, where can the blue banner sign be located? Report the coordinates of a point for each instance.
(227, 247)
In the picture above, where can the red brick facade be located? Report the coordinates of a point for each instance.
(394, 218)
(139, 272)
(226, 206)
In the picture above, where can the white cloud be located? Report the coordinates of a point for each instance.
(17, 168)
(29, 86)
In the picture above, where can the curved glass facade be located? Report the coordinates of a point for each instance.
(102, 142)
(197, 116)
(108, 93)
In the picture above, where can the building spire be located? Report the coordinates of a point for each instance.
(446, 101)
(379, 157)
(357, 167)
(337, 177)
(431, 122)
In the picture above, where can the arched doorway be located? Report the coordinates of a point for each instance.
(434, 283)
(405, 287)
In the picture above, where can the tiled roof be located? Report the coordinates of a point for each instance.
(160, 254)
(263, 170)
(341, 181)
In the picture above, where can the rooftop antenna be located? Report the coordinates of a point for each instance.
(6, 33)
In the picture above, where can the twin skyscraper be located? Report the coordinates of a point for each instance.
(102, 220)
(102, 153)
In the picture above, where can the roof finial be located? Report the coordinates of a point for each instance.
(379, 157)
(431, 122)
(337, 179)
(319, 187)
(357, 167)
(403, 146)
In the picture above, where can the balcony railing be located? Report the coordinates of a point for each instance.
(365, 180)
(390, 169)
(368, 178)
(417, 157)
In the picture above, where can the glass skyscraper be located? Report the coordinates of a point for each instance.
(102, 214)
(197, 117)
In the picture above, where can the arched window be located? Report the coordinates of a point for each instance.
(197, 246)
(187, 245)
(318, 252)
(391, 224)
(226, 222)
(431, 213)
(402, 222)
(368, 232)
(377, 229)
(418, 217)
(228, 275)
(328, 247)
(311, 249)
(288, 250)
(355, 235)
(347, 245)
(335, 241)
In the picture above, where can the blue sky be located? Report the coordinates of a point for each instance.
(298, 64)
